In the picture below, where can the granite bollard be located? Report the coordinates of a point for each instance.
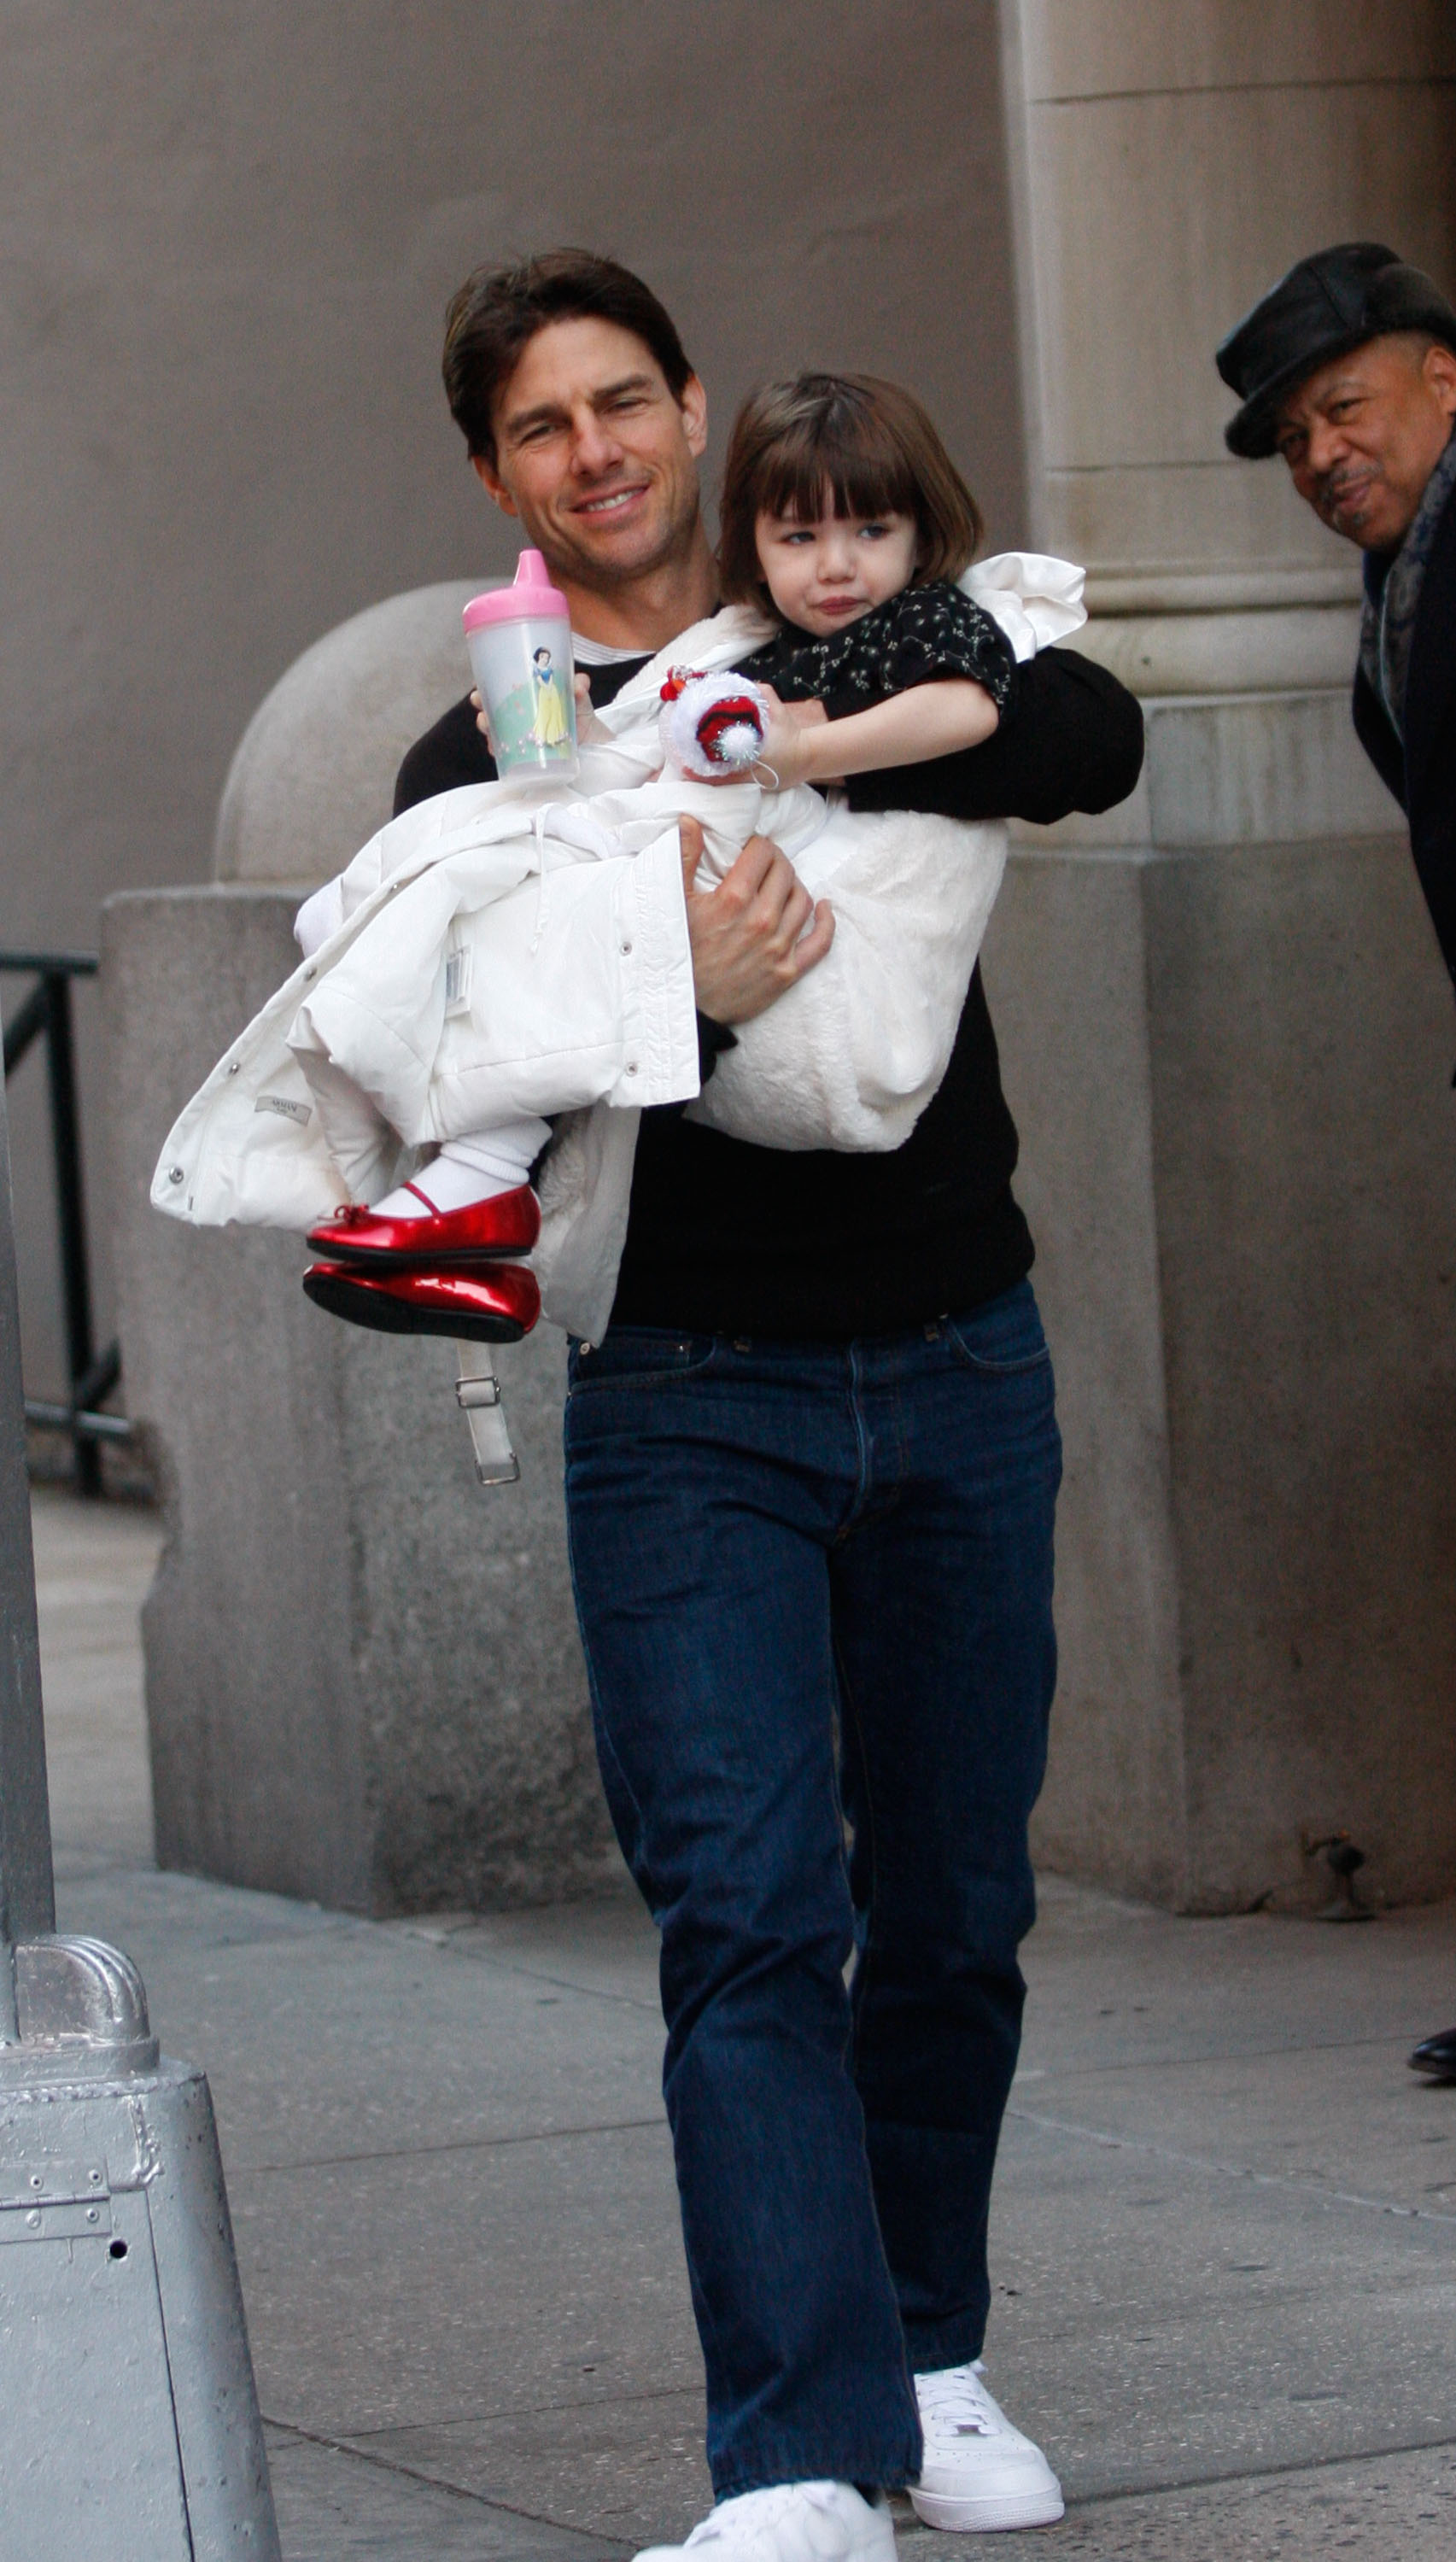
(364, 1683)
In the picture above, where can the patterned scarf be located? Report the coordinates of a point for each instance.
(1393, 585)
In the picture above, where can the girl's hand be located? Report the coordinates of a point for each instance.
(482, 722)
(786, 750)
(785, 720)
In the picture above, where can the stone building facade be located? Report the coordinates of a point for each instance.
(1227, 1037)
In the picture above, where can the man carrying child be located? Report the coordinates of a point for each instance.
(810, 1475)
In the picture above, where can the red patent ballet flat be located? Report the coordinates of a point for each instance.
(495, 1305)
(508, 1224)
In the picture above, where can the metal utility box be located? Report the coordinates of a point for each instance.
(130, 2428)
(129, 2423)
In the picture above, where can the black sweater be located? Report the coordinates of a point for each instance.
(728, 1239)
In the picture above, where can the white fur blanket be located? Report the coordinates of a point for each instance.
(486, 956)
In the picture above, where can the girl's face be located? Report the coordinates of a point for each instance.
(825, 570)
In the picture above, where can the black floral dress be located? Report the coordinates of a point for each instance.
(923, 633)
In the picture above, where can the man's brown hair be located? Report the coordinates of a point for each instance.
(498, 310)
(867, 442)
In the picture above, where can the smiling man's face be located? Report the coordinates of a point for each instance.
(596, 457)
(1362, 434)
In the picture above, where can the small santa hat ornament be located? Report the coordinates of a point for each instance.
(712, 725)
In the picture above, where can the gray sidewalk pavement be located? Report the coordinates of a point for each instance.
(1224, 2227)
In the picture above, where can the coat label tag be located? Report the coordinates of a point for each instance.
(303, 1113)
(458, 975)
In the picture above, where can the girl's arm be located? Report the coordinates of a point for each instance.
(927, 721)
(1076, 743)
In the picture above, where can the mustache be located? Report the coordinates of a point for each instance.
(1335, 487)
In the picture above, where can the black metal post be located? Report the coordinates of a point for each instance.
(31, 1019)
(71, 1212)
(47, 1012)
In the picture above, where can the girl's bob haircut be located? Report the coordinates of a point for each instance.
(868, 444)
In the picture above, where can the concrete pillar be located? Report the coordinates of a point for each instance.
(1226, 1030)
(363, 1678)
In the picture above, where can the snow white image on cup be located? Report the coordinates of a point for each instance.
(551, 727)
(519, 643)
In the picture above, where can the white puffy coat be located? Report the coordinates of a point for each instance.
(493, 953)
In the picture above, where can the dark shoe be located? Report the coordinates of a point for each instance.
(496, 1305)
(508, 1224)
(1437, 2057)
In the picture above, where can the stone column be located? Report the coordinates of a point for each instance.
(1227, 1032)
(1167, 165)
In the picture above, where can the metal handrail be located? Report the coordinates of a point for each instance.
(44, 1016)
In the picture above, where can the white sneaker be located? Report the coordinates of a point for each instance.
(813, 2521)
(979, 2472)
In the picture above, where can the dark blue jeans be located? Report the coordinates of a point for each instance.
(815, 1591)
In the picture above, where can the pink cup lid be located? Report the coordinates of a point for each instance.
(532, 594)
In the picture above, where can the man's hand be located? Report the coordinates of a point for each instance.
(748, 934)
(590, 732)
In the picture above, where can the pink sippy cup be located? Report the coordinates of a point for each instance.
(520, 641)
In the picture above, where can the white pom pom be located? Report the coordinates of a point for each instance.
(714, 725)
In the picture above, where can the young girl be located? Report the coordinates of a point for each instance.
(465, 978)
(844, 520)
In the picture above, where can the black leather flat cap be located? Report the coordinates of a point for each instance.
(1338, 299)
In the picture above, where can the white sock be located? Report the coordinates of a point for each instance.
(472, 1169)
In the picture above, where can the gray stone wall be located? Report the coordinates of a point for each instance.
(1246, 1258)
(1226, 1027)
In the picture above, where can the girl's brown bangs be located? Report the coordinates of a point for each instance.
(864, 477)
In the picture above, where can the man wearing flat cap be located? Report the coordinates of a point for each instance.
(1347, 369)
